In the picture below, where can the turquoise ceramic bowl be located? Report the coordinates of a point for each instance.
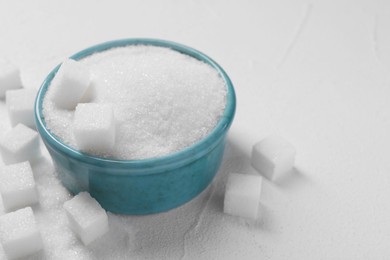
(140, 186)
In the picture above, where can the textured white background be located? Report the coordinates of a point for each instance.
(315, 72)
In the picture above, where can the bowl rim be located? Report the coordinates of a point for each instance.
(175, 159)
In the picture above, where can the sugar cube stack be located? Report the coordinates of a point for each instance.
(70, 84)
(87, 219)
(242, 195)
(19, 234)
(273, 157)
(94, 127)
(20, 144)
(20, 105)
(9, 77)
(17, 186)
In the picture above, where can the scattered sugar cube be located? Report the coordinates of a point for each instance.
(20, 144)
(242, 195)
(9, 77)
(273, 157)
(20, 104)
(86, 217)
(19, 234)
(70, 84)
(17, 186)
(94, 127)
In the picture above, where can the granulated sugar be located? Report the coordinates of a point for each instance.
(163, 100)
(190, 231)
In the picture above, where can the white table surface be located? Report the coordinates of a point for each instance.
(315, 72)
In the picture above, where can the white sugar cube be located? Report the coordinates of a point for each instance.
(20, 104)
(273, 157)
(94, 127)
(20, 144)
(9, 77)
(70, 84)
(86, 217)
(19, 234)
(242, 195)
(17, 186)
(90, 93)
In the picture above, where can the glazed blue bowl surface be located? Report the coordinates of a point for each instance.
(140, 186)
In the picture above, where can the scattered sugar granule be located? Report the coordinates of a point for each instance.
(163, 100)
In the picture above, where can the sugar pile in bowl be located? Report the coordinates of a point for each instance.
(163, 101)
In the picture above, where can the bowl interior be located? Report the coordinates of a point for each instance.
(175, 159)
